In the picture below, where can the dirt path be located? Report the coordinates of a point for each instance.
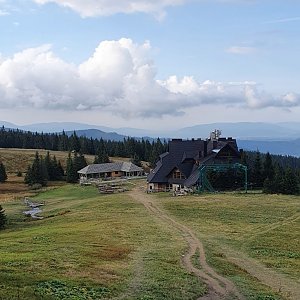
(219, 287)
(286, 286)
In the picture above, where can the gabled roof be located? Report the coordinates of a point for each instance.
(187, 156)
(179, 155)
(110, 167)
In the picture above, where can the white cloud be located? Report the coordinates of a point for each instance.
(91, 8)
(241, 50)
(119, 78)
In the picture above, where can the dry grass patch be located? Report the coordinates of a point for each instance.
(18, 159)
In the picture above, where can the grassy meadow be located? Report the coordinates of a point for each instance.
(244, 234)
(18, 159)
(91, 246)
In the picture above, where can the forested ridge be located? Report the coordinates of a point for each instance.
(257, 163)
(129, 147)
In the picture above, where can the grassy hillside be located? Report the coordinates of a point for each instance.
(254, 233)
(111, 247)
(92, 246)
(18, 159)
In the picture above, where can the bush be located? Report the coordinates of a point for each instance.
(3, 175)
(36, 186)
(3, 219)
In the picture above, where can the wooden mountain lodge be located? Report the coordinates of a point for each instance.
(178, 169)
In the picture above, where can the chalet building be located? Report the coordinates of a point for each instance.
(178, 168)
(110, 170)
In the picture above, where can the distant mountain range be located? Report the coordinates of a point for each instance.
(275, 147)
(277, 138)
(98, 134)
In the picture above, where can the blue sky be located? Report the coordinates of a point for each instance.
(167, 63)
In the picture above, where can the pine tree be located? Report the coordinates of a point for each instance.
(71, 173)
(136, 160)
(3, 219)
(79, 162)
(101, 157)
(3, 175)
(44, 173)
(157, 149)
(268, 168)
(290, 183)
(48, 165)
(60, 170)
(74, 143)
(37, 173)
(257, 171)
(28, 176)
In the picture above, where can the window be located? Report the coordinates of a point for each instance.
(178, 175)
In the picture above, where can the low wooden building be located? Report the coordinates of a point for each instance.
(110, 170)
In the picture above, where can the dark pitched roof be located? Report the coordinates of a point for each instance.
(187, 156)
(179, 156)
(110, 167)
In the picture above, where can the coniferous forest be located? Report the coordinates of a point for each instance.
(130, 147)
(272, 173)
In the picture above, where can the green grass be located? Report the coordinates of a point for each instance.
(265, 228)
(91, 246)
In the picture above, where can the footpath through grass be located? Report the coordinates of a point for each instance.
(263, 228)
(91, 246)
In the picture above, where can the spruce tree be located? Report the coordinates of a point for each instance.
(278, 180)
(48, 165)
(60, 170)
(257, 171)
(28, 176)
(44, 173)
(136, 160)
(3, 175)
(79, 162)
(74, 143)
(101, 157)
(71, 173)
(268, 168)
(3, 219)
(290, 183)
(37, 173)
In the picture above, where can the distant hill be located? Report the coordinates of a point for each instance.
(274, 147)
(241, 130)
(98, 134)
(244, 130)
(280, 138)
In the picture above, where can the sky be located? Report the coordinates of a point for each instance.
(159, 64)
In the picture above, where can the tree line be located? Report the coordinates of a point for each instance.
(139, 149)
(44, 169)
(273, 174)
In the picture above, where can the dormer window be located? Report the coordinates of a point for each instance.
(178, 175)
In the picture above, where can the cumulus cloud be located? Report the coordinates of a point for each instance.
(91, 8)
(120, 78)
